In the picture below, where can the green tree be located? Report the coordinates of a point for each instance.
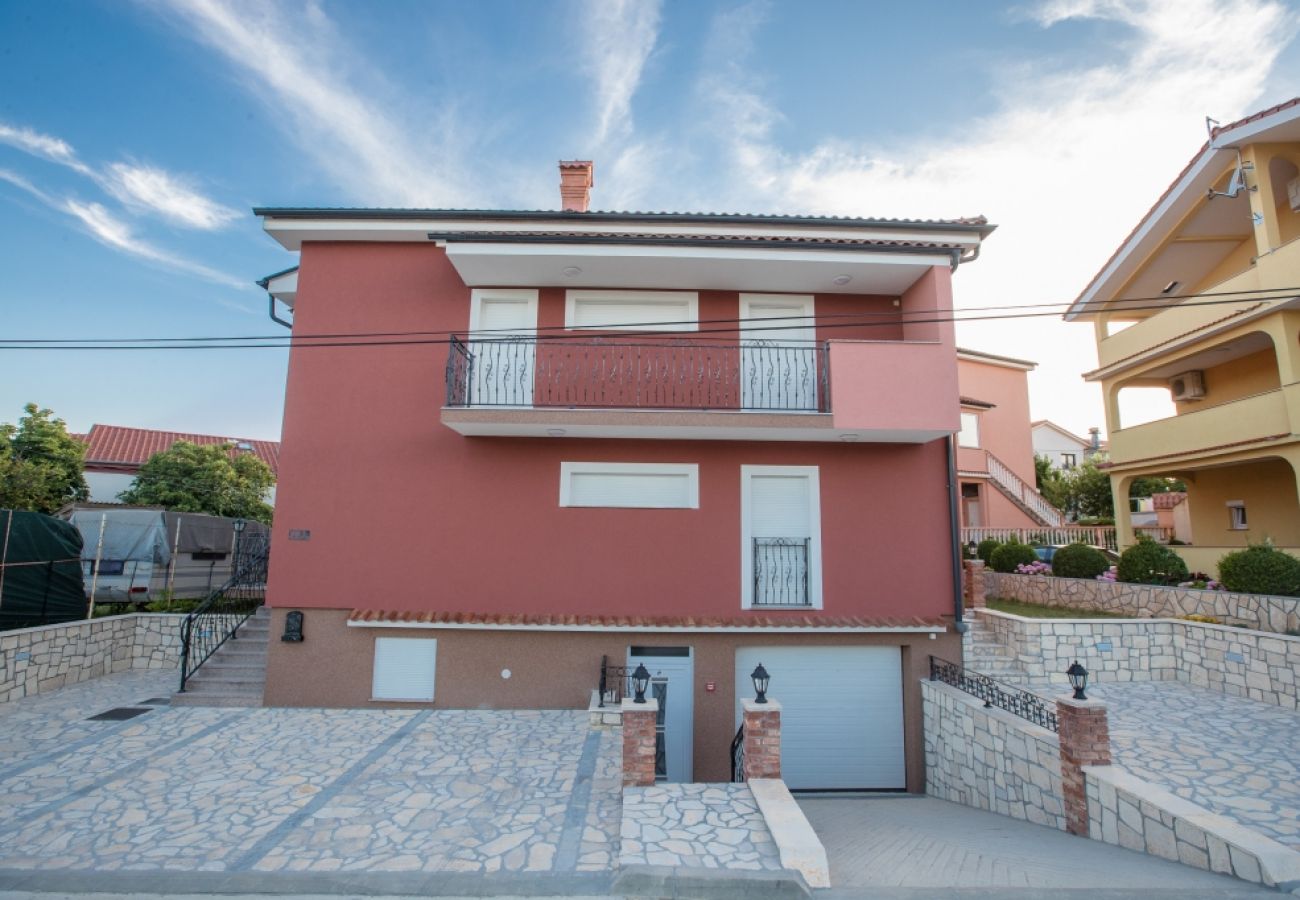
(1146, 487)
(1090, 491)
(1042, 470)
(204, 479)
(41, 465)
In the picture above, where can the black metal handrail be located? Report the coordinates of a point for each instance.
(738, 755)
(615, 373)
(1022, 703)
(781, 571)
(217, 619)
(615, 682)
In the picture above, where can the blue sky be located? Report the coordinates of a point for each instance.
(135, 137)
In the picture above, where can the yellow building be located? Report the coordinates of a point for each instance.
(1203, 298)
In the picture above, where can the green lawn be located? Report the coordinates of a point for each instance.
(1038, 611)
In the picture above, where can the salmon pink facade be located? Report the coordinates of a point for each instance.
(524, 453)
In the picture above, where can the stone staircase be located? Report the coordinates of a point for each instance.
(982, 652)
(236, 674)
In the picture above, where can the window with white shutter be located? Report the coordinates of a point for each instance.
(632, 310)
(404, 669)
(630, 485)
(780, 537)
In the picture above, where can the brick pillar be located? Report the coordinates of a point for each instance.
(1085, 741)
(639, 742)
(762, 739)
(974, 569)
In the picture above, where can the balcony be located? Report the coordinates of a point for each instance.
(697, 389)
(1238, 422)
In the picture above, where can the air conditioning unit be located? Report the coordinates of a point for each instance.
(1293, 194)
(1187, 386)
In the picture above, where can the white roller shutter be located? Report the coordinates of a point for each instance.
(634, 311)
(631, 485)
(404, 668)
(779, 506)
(841, 714)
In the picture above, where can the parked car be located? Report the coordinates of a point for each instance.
(1047, 551)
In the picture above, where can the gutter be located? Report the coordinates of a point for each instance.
(954, 523)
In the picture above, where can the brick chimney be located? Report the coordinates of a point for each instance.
(576, 180)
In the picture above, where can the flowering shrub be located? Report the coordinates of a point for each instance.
(1034, 568)
(1011, 554)
(1201, 581)
(1110, 576)
(1196, 617)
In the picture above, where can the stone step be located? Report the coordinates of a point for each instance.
(217, 698)
(228, 677)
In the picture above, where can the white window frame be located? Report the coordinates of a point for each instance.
(478, 295)
(689, 323)
(432, 643)
(569, 469)
(1237, 518)
(813, 474)
(976, 418)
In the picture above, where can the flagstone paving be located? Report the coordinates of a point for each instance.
(300, 790)
(1232, 756)
(706, 826)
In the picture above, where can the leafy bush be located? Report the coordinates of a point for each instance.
(1261, 569)
(986, 548)
(1147, 562)
(1078, 561)
(1011, 554)
(1096, 520)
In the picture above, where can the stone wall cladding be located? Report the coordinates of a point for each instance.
(35, 660)
(1143, 601)
(1234, 661)
(990, 759)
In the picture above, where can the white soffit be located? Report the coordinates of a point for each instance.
(690, 268)
(284, 287)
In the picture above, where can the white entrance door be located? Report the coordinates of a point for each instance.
(503, 344)
(778, 360)
(672, 683)
(841, 713)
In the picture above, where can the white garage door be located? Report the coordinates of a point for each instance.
(841, 713)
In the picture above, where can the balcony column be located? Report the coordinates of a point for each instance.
(1119, 486)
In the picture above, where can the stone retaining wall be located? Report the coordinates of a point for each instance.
(35, 660)
(1144, 601)
(990, 759)
(1234, 661)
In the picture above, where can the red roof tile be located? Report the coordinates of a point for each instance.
(116, 445)
(790, 619)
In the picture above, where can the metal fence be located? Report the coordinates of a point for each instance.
(613, 373)
(781, 572)
(738, 755)
(218, 617)
(1024, 704)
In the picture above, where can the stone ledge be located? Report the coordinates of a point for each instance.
(700, 884)
(799, 846)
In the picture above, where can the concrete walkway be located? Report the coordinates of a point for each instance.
(910, 842)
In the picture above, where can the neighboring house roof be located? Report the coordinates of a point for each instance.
(1047, 423)
(129, 448)
(634, 622)
(978, 404)
(1010, 362)
(1167, 500)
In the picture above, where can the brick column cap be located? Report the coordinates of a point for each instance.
(1068, 700)
(975, 563)
(755, 707)
(650, 706)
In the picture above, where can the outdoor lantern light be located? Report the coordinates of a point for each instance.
(292, 628)
(640, 681)
(239, 526)
(972, 548)
(761, 679)
(1078, 679)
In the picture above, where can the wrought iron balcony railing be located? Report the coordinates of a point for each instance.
(614, 373)
(781, 572)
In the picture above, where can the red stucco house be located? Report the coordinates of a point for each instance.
(518, 443)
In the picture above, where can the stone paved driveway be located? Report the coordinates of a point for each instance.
(1235, 757)
(261, 790)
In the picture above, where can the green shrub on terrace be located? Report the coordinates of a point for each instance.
(1147, 562)
(1011, 554)
(1261, 569)
(1078, 561)
(986, 548)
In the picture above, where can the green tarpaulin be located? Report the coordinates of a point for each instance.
(40, 570)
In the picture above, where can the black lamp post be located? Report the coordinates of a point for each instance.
(1078, 676)
(239, 525)
(971, 549)
(761, 680)
(640, 681)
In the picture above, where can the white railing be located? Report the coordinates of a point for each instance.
(1035, 502)
(1093, 535)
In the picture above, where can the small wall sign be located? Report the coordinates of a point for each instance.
(299, 534)
(710, 686)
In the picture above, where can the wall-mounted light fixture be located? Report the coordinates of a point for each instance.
(292, 628)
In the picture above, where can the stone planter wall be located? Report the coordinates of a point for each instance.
(1235, 661)
(990, 759)
(35, 660)
(1142, 601)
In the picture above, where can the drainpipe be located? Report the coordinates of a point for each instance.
(954, 522)
(274, 317)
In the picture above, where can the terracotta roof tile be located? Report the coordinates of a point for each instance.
(116, 445)
(791, 619)
(1178, 337)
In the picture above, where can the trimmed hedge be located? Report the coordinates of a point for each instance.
(1011, 554)
(1147, 562)
(986, 548)
(1079, 561)
(1261, 569)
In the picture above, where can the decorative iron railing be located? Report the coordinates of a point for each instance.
(217, 619)
(615, 683)
(781, 572)
(738, 755)
(615, 373)
(1024, 704)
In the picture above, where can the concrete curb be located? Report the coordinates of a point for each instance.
(673, 882)
(799, 846)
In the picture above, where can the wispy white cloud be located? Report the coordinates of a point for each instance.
(108, 229)
(1067, 159)
(618, 38)
(337, 107)
(148, 189)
